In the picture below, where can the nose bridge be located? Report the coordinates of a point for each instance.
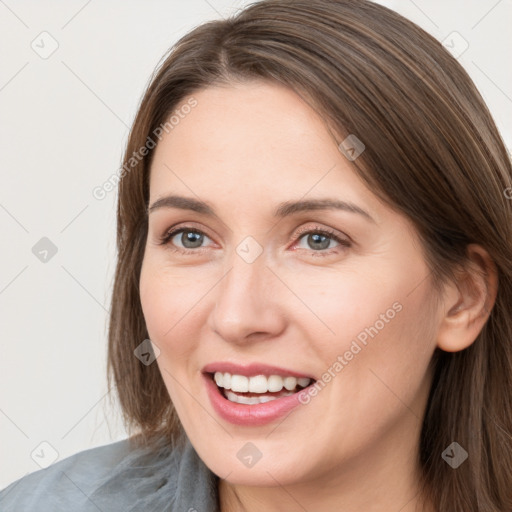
(245, 301)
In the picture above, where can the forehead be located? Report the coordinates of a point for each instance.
(249, 144)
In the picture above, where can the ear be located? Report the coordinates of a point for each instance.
(467, 302)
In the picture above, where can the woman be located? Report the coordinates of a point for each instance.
(311, 308)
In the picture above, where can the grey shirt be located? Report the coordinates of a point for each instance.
(118, 477)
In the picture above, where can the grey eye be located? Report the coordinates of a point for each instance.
(317, 241)
(190, 239)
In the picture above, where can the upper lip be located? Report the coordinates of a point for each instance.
(250, 370)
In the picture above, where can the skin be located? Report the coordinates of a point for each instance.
(354, 446)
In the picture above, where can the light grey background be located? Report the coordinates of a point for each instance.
(65, 121)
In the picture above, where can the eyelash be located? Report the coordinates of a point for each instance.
(166, 238)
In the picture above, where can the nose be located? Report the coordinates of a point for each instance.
(249, 302)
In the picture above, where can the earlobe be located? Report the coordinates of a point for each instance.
(468, 301)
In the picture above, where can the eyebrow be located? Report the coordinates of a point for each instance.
(283, 209)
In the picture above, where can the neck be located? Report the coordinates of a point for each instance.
(400, 496)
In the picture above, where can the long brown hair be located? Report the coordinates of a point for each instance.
(432, 153)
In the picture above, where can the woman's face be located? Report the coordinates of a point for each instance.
(254, 286)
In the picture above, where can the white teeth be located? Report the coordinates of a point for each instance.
(303, 382)
(248, 400)
(264, 399)
(226, 384)
(239, 383)
(258, 383)
(290, 383)
(275, 383)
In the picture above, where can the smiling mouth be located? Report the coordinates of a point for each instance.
(257, 389)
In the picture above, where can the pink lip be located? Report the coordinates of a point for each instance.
(252, 369)
(249, 415)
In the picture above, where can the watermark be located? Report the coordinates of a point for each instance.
(343, 360)
(100, 192)
(44, 454)
(351, 147)
(249, 249)
(508, 192)
(147, 352)
(454, 455)
(249, 454)
(455, 44)
(44, 250)
(45, 45)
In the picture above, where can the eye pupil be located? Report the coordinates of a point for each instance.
(190, 236)
(316, 237)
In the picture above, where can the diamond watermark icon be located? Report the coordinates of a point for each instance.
(454, 455)
(455, 44)
(45, 45)
(44, 250)
(44, 454)
(249, 249)
(147, 352)
(351, 147)
(249, 455)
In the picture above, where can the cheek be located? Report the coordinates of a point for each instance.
(168, 299)
(371, 322)
(385, 337)
(343, 305)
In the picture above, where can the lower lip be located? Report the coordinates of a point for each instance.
(250, 415)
